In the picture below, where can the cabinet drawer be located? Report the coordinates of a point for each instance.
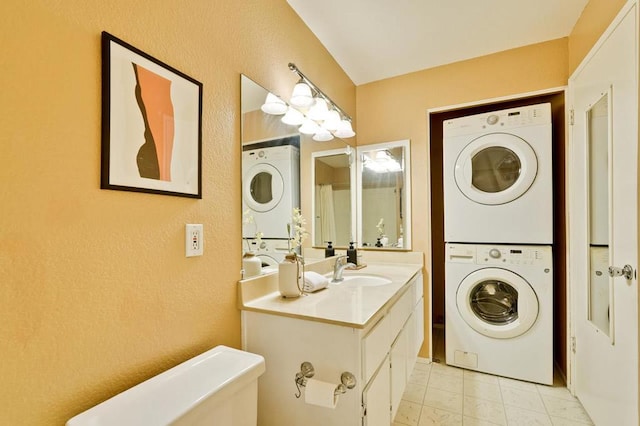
(401, 311)
(375, 347)
(419, 288)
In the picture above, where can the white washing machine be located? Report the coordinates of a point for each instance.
(498, 177)
(271, 185)
(499, 310)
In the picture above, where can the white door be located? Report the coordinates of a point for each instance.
(603, 214)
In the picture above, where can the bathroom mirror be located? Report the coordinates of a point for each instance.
(600, 292)
(333, 197)
(277, 177)
(384, 196)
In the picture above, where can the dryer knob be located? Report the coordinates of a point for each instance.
(495, 253)
(263, 245)
(492, 119)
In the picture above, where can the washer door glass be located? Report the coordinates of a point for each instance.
(496, 168)
(497, 303)
(262, 187)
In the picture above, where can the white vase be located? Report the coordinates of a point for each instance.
(384, 241)
(289, 275)
(251, 264)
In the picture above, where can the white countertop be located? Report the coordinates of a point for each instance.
(353, 306)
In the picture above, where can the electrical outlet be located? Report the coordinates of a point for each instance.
(194, 240)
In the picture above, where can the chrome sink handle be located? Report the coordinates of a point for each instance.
(338, 268)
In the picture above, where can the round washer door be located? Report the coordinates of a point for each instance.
(497, 303)
(496, 168)
(262, 187)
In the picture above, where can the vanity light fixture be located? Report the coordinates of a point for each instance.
(274, 105)
(309, 127)
(311, 109)
(302, 96)
(383, 162)
(293, 117)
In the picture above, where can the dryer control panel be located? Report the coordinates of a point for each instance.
(497, 121)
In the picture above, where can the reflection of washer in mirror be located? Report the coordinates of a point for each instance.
(271, 185)
(263, 188)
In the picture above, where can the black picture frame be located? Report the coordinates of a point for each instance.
(151, 124)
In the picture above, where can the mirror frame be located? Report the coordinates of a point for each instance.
(349, 151)
(596, 203)
(406, 221)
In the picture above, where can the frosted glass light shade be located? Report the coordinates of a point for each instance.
(309, 127)
(344, 130)
(301, 96)
(319, 110)
(323, 135)
(273, 105)
(293, 117)
(332, 121)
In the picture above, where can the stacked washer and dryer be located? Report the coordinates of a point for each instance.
(270, 191)
(498, 232)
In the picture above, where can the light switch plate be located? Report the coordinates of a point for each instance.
(194, 240)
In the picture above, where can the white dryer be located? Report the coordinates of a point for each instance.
(499, 310)
(498, 177)
(271, 185)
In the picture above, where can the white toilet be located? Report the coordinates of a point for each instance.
(218, 387)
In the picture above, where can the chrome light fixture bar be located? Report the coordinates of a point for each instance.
(319, 93)
(312, 110)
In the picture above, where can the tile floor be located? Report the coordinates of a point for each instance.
(441, 395)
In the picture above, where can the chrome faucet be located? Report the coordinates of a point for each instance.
(338, 268)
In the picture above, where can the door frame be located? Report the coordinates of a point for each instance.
(489, 103)
(571, 219)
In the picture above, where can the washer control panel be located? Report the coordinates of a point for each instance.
(512, 255)
(495, 255)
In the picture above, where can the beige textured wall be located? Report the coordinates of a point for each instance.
(595, 18)
(95, 292)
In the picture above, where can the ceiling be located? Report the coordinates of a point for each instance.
(377, 39)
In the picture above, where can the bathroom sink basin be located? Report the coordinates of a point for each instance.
(361, 280)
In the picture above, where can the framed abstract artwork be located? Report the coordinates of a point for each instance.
(151, 124)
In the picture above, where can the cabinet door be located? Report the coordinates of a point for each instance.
(376, 397)
(399, 357)
(415, 325)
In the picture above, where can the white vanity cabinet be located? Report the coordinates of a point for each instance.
(381, 354)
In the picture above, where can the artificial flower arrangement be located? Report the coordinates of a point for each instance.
(380, 227)
(381, 236)
(291, 270)
(299, 231)
(247, 219)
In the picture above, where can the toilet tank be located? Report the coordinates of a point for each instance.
(218, 387)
